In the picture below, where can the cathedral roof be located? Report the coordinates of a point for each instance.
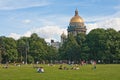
(76, 18)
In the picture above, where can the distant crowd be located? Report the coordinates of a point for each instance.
(62, 66)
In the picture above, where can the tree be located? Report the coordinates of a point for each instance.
(104, 45)
(83, 48)
(10, 50)
(96, 43)
(37, 47)
(69, 50)
(52, 53)
(22, 47)
(112, 45)
(2, 48)
(34, 49)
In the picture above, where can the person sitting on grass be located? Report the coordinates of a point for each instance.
(61, 67)
(5, 66)
(40, 70)
(65, 68)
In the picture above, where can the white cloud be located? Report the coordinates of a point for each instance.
(47, 32)
(102, 18)
(110, 23)
(50, 32)
(27, 34)
(18, 4)
(26, 21)
(15, 36)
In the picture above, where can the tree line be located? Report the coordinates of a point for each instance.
(99, 44)
(27, 49)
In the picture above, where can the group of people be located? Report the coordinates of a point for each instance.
(75, 67)
(63, 67)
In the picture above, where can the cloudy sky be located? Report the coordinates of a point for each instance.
(50, 18)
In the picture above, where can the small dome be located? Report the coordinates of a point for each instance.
(63, 35)
(76, 18)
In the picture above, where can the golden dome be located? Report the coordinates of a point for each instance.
(76, 18)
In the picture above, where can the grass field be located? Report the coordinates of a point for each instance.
(27, 72)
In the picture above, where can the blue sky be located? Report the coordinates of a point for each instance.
(50, 18)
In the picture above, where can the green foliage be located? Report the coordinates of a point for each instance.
(69, 49)
(31, 48)
(52, 53)
(98, 44)
(104, 44)
(10, 51)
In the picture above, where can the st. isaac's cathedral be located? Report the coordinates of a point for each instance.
(75, 27)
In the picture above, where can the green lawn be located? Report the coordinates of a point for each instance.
(27, 72)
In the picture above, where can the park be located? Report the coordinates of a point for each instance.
(60, 40)
(27, 72)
